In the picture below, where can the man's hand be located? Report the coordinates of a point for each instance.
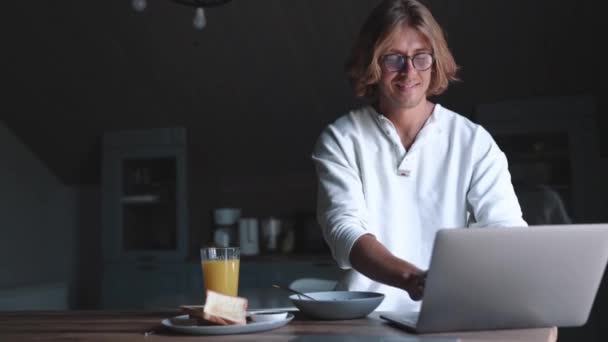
(372, 259)
(413, 283)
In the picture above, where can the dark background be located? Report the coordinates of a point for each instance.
(256, 87)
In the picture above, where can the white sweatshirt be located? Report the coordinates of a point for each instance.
(369, 183)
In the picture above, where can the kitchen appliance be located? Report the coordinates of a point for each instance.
(249, 236)
(225, 222)
(271, 231)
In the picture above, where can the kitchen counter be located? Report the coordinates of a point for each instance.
(278, 257)
(132, 326)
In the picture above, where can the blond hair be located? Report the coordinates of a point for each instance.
(379, 31)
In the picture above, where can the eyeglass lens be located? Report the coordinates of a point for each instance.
(397, 62)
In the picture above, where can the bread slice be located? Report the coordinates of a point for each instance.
(226, 310)
(196, 315)
(221, 309)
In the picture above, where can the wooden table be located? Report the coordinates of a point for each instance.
(131, 326)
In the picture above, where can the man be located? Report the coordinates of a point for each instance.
(391, 174)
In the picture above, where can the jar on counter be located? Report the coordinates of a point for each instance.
(271, 231)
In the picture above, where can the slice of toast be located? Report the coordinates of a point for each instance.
(196, 315)
(220, 309)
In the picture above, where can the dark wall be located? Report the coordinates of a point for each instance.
(262, 72)
(255, 88)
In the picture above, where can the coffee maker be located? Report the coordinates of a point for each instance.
(225, 221)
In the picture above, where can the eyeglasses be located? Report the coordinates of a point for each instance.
(397, 62)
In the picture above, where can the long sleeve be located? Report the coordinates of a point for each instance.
(341, 209)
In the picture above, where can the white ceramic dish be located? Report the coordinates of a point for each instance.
(338, 304)
(181, 324)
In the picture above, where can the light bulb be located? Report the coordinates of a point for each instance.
(199, 21)
(139, 5)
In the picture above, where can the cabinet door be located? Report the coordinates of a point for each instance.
(265, 274)
(148, 204)
(144, 204)
(143, 286)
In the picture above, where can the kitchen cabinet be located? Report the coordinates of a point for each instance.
(144, 201)
(260, 274)
(161, 285)
(548, 154)
(263, 274)
(144, 216)
(142, 285)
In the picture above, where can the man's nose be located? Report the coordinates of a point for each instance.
(408, 66)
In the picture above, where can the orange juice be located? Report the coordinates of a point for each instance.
(221, 275)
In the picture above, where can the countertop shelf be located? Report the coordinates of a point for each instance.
(324, 258)
(140, 199)
(289, 257)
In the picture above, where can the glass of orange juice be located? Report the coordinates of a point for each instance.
(221, 269)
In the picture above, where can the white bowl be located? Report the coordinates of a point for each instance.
(268, 316)
(338, 304)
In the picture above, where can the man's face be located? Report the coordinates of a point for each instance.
(405, 89)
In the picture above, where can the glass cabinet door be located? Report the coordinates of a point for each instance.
(144, 195)
(540, 167)
(149, 210)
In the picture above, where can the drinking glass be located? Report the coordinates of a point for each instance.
(221, 269)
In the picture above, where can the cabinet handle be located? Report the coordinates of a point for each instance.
(148, 258)
(147, 267)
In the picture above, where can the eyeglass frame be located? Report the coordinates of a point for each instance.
(406, 58)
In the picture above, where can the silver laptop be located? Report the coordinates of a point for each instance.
(508, 278)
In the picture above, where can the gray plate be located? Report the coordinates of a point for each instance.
(250, 327)
(338, 304)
